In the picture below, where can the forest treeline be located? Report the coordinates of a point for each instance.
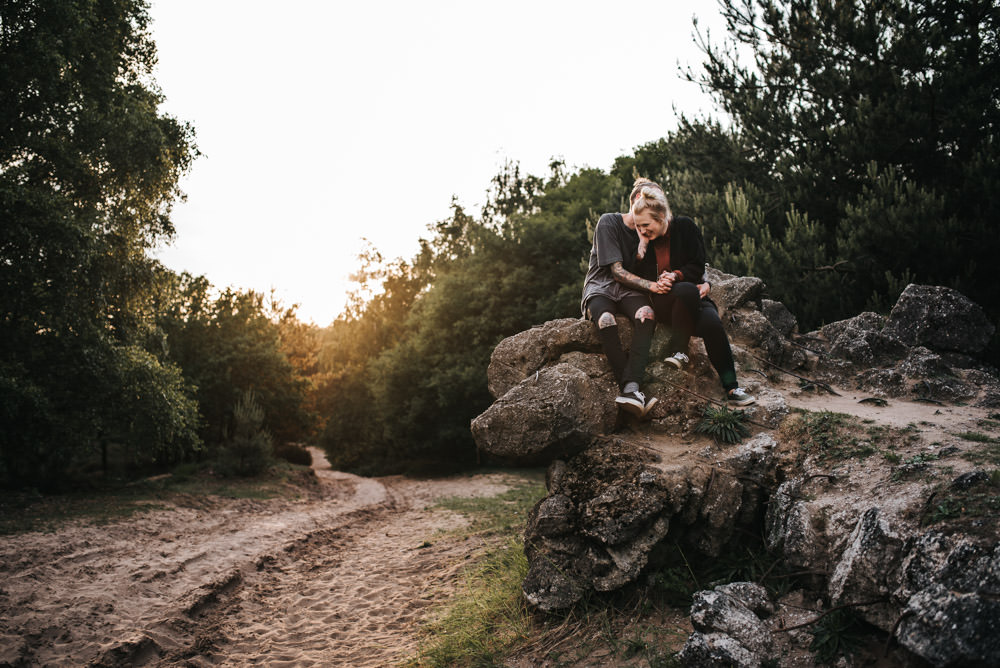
(856, 151)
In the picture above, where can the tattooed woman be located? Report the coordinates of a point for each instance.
(610, 288)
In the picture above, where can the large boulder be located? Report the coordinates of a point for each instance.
(553, 413)
(864, 575)
(950, 628)
(519, 356)
(732, 292)
(610, 506)
(934, 589)
(594, 531)
(779, 316)
(861, 340)
(939, 318)
(949, 585)
(791, 529)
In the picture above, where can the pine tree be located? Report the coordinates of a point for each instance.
(248, 449)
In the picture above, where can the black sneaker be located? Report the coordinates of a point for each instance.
(650, 402)
(678, 361)
(740, 397)
(633, 402)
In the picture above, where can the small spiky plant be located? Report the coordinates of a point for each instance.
(722, 424)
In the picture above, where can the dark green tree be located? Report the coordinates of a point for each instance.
(88, 172)
(871, 132)
(247, 449)
(229, 344)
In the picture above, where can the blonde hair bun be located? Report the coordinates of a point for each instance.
(648, 195)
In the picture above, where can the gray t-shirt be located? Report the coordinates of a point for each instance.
(613, 242)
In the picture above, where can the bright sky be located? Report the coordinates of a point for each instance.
(326, 123)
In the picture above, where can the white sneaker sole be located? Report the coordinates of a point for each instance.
(631, 407)
(742, 402)
(676, 363)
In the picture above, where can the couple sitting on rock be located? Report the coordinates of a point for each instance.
(649, 266)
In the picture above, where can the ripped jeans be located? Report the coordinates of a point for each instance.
(628, 367)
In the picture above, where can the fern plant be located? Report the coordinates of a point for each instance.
(723, 425)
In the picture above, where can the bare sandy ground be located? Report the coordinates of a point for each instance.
(340, 579)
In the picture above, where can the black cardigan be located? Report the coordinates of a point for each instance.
(687, 252)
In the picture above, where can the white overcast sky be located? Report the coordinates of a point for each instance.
(323, 123)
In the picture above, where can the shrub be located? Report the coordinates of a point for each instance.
(293, 454)
(248, 451)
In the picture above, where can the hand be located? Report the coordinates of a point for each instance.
(666, 281)
(658, 288)
(703, 289)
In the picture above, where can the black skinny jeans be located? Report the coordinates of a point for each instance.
(628, 367)
(689, 315)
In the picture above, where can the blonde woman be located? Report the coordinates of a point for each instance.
(673, 251)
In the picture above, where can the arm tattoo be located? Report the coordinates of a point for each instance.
(628, 279)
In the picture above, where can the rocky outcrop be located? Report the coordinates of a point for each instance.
(925, 349)
(873, 528)
(519, 356)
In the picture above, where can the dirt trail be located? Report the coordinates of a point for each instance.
(337, 580)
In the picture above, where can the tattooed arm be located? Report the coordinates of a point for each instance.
(630, 280)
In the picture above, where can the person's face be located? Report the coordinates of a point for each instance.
(649, 227)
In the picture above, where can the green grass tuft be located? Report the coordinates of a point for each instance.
(722, 424)
(838, 436)
(976, 437)
(980, 499)
(501, 514)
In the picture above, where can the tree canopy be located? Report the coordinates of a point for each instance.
(865, 128)
(88, 172)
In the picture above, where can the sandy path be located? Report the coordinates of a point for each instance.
(333, 581)
(936, 422)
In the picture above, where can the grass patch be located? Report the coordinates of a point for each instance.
(833, 436)
(488, 622)
(977, 437)
(503, 514)
(488, 617)
(186, 485)
(987, 454)
(24, 512)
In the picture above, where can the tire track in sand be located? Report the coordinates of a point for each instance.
(336, 581)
